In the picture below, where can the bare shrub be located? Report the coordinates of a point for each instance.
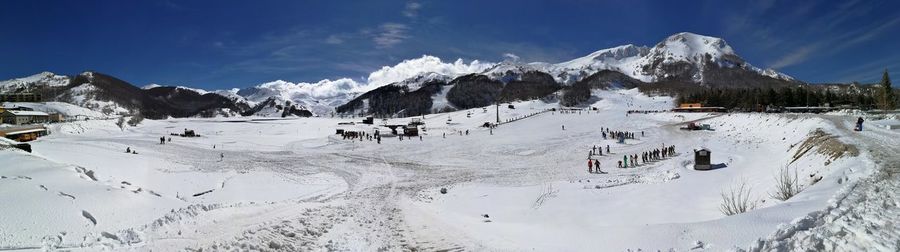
(787, 184)
(121, 123)
(135, 119)
(736, 199)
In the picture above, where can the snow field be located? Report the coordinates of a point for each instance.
(292, 184)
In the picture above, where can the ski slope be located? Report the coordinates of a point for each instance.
(292, 184)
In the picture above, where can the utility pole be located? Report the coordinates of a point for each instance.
(498, 112)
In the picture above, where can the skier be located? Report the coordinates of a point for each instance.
(594, 149)
(564, 127)
(607, 149)
(642, 133)
(597, 166)
(590, 165)
(625, 158)
(127, 149)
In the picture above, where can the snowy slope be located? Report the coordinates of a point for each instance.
(68, 110)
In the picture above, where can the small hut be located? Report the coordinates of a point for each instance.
(702, 159)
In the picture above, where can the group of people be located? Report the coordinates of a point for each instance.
(595, 164)
(610, 134)
(162, 140)
(597, 151)
(353, 135)
(509, 120)
(645, 111)
(647, 156)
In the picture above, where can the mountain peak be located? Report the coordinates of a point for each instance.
(692, 47)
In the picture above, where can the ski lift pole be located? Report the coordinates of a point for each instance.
(498, 112)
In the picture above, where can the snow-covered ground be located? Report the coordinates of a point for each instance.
(291, 184)
(68, 110)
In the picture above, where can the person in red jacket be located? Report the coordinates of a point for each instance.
(590, 165)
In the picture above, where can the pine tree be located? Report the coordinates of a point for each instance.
(887, 93)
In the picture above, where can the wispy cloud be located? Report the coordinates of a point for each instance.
(774, 28)
(870, 71)
(875, 32)
(797, 56)
(835, 43)
(412, 9)
(390, 34)
(334, 39)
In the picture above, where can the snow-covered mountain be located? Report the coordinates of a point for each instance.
(680, 58)
(111, 96)
(43, 79)
(683, 59)
(681, 55)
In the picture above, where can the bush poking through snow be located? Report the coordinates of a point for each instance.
(121, 123)
(737, 200)
(787, 184)
(135, 119)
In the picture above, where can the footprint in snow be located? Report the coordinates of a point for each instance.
(89, 217)
(64, 195)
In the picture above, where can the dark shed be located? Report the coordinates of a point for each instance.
(702, 160)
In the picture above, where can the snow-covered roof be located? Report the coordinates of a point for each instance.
(25, 131)
(27, 113)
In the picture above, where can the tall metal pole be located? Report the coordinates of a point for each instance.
(498, 112)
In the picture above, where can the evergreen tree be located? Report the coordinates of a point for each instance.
(887, 93)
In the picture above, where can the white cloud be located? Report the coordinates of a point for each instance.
(511, 57)
(412, 9)
(326, 89)
(319, 90)
(334, 39)
(425, 64)
(390, 34)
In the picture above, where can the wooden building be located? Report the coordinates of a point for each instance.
(56, 117)
(23, 134)
(21, 117)
(697, 107)
(21, 97)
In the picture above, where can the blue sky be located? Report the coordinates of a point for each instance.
(222, 44)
